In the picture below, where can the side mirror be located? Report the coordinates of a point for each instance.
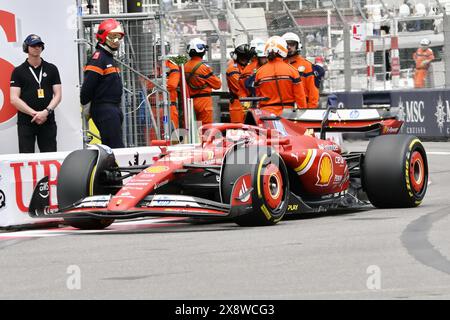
(332, 108)
(332, 103)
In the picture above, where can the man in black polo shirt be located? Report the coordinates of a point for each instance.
(35, 92)
(102, 86)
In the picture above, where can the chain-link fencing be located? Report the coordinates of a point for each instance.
(139, 59)
(335, 30)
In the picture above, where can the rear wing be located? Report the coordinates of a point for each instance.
(379, 120)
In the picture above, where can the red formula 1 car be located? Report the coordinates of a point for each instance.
(253, 173)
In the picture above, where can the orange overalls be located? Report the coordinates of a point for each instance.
(248, 71)
(173, 81)
(200, 84)
(422, 58)
(307, 74)
(234, 71)
(281, 83)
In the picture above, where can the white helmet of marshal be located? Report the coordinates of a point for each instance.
(425, 42)
(257, 45)
(290, 36)
(278, 45)
(198, 45)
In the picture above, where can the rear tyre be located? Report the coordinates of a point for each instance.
(395, 171)
(269, 180)
(77, 180)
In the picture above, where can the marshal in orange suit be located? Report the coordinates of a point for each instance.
(200, 81)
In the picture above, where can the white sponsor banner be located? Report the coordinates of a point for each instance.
(341, 115)
(19, 174)
(55, 22)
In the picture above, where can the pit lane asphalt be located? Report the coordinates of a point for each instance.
(334, 256)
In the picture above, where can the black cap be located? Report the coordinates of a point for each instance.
(33, 40)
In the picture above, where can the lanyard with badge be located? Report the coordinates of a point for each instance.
(40, 91)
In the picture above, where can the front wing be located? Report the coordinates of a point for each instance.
(151, 205)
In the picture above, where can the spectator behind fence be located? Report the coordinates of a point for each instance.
(102, 86)
(319, 72)
(36, 92)
(200, 80)
(422, 57)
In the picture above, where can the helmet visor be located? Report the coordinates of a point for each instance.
(113, 39)
(115, 36)
(201, 47)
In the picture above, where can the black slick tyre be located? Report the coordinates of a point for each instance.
(395, 171)
(76, 180)
(269, 183)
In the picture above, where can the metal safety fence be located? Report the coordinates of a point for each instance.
(335, 30)
(139, 59)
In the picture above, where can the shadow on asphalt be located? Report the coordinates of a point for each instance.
(214, 225)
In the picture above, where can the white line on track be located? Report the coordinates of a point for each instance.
(117, 226)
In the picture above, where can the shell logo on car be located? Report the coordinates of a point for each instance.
(325, 170)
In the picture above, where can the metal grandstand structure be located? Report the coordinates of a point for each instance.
(326, 29)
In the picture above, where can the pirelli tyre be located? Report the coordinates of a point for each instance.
(79, 178)
(268, 176)
(395, 171)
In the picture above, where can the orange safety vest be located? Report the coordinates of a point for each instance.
(307, 74)
(422, 55)
(173, 80)
(172, 83)
(234, 72)
(281, 83)
(248, 71)
(201, 81)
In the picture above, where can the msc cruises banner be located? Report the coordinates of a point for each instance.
(426, 112)
(55, 22)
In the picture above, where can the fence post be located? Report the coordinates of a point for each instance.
(370, 64)
(446, 24)
(82, 62)
(166, 113)
(347, 59)
(395, 56)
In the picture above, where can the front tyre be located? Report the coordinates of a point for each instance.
(78, 178)
(269, 181)
(395, 171)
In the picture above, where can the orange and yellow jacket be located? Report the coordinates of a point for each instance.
(307, 74)
(281, 83)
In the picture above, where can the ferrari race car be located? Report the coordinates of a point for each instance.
(253, 173)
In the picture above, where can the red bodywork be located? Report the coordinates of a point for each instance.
(318, 164)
